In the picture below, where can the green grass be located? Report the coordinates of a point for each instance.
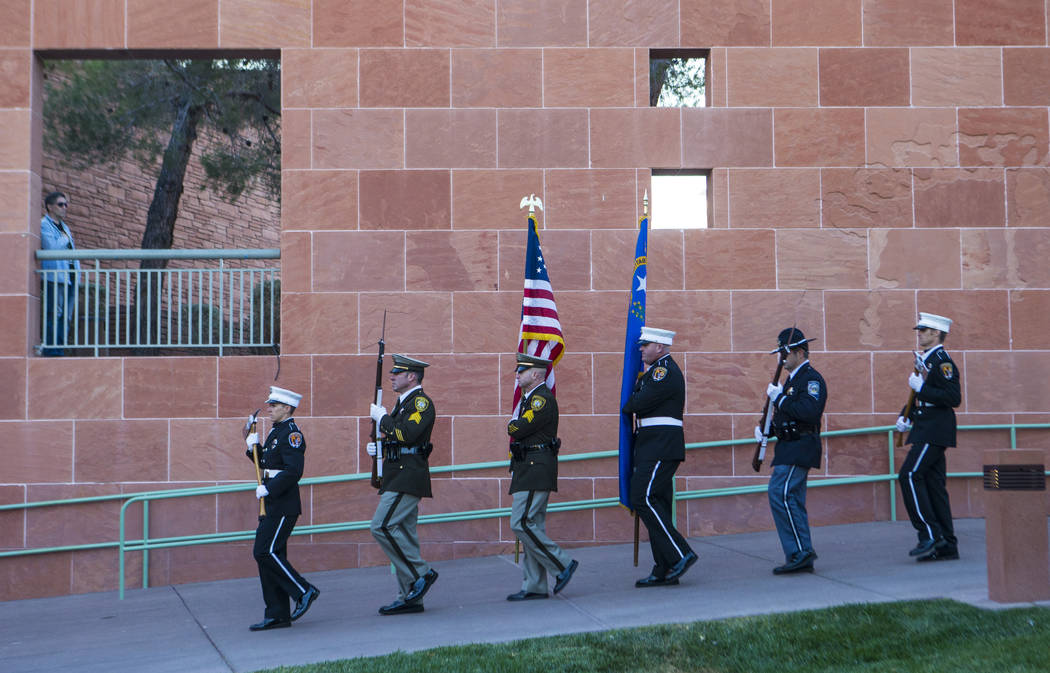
(937, 636)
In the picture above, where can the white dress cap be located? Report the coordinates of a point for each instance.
(934, 321)
(658, 336)
(284, 396)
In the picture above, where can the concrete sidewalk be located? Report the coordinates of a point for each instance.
(204, 627)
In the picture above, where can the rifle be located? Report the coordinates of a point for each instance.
(767, 418)
(249, 428)
(921, 370)
(377, 462)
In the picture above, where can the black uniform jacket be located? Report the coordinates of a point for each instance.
(284, 450)
(534, 428)
(934, 410)
(408, 425)
(796, 421)
(660, 391)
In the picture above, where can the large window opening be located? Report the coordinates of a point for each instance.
(156, 159)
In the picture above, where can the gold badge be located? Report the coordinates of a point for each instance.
(421, 404)
(947, 371)
(659, 373)
(537, 403)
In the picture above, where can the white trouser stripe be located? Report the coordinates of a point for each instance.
(791, 519)
(648, 491)
(278, 561)
(914, 497)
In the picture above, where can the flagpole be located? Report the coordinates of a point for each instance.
(645, 218)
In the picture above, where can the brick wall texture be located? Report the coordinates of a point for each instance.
(870, 159)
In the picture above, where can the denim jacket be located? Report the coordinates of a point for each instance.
(56, 236)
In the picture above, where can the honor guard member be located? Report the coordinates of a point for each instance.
(923, 477)
(405, 447)
(281, 461)
(659, 448)
(797, 415)
(534, 468)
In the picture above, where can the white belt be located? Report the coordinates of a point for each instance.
(270, 474)
(658, 420)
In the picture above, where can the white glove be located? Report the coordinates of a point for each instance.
(915, 381)
(903, 424)
(261, 492)
(773, 391)
(376, 412)
(251, 440)
(372, 449)
(759, 437)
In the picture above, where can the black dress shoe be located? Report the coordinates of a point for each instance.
(565, 575)
(654, 581)
(304, 602)
(270, 623)
(926, 546)
(940, 555)
(421, 586)
(802, 562)
(527, 596)
(683, 564)
(400, 607)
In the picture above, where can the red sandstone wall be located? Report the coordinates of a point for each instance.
(870, 158)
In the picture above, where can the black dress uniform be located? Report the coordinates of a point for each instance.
(406, 448)
(923, 475)
(796, 425)
(534, 470)
(281, 459)
(658, 402)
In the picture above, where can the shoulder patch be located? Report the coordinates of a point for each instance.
(947, 370)
(421, 403)
(813, 388)
(295, 439)
(537, 403)
(659, 373)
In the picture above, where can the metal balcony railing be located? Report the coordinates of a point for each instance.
(224, 305)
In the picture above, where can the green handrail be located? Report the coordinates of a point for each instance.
(145, 544)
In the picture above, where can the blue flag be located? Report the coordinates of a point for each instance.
(632, 359)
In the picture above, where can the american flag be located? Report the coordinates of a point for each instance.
(540, 332)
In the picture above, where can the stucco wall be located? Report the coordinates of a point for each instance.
(871, 158)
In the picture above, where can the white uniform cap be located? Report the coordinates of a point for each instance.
(284, 396)
(934, 321)
(657, 336)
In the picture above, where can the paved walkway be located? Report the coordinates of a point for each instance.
(203, 627)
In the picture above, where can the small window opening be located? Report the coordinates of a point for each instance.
(680, 199)
(678, 77)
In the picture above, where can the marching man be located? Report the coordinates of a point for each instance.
(281, 459)
(931, 421)
(406, 479)
(534, 466)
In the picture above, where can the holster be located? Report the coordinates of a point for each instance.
(517, 451)
(391, 452)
